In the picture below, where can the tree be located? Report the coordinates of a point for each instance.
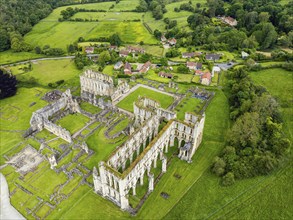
(228, 179)
(115, 40)
(182, 69)
(158, 34)
(71, 48)
(8, 84)
(38, 50)
(265, 35)
(246, 131)
(219, 166)
(104, 57)
(4, 40)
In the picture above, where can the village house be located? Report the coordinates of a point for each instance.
(216, 69)
(113, 48)
(213, 57)
(163, 38)
(89, 50)
(127, 68)
(145, 67)
(165, 75)
(229, 20)
(188, 55)
(198, 72)
(132, 49)
(123, 53)
(193, 65)
(172, 42)
(118, 65)
(206, 78)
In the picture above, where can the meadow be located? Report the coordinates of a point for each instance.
(51, 32)
(127, 103)
(9, 56)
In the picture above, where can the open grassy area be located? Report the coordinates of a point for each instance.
(73, 122)
(127, 103)
(90, 108)
(188, 104)
(51, 32)
(11, 57)
(251, 198)
(109, 16)
(102, 146)
(49, 71)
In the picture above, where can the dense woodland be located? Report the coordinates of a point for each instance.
(255, 143)
(261, 25)
(8, 84)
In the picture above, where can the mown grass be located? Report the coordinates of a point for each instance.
(50, 71)
(90, 108)
(102, 146)
(73, 122)
(188, 104)
(127, 103)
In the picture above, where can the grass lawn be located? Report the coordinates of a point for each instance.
(188, 104)
(49, 71)
(109, 70)
(90, 108)
(93, 206)
(11, 57)
(125, 5)
(120, 126)
(102, 146)
(73, 122)
(127, 103)
(16, 114)
(152, 75)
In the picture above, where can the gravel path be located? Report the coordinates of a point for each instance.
(7, 211)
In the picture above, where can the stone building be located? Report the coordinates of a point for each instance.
(93, 85)
(40, 118)
(114, 180)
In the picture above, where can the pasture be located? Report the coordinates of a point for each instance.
(127, 103)
(251, 198)
(60, 34)
(11, 57)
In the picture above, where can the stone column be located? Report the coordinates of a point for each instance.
(155, 162)
(151, 182)
(134, 191)
(164, 164)
(124, 203)
(141, 179)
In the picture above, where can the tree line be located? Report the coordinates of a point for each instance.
(256, 143)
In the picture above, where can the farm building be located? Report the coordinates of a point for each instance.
(206, 78)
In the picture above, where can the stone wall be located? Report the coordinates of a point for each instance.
(41, 118)
(113, 180)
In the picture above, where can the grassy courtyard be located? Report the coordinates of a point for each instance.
(127, 103)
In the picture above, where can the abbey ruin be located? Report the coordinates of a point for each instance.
(41, 118)
(152, 130)
(113, 180)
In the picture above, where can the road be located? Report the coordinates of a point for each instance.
(7, 211)
(47, 58)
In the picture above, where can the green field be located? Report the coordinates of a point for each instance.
(127, 103)
(102, 146)
(251, 198)
(49, 71)
(109, 16)
(73, 123)
(12, 57)
(60, 34)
